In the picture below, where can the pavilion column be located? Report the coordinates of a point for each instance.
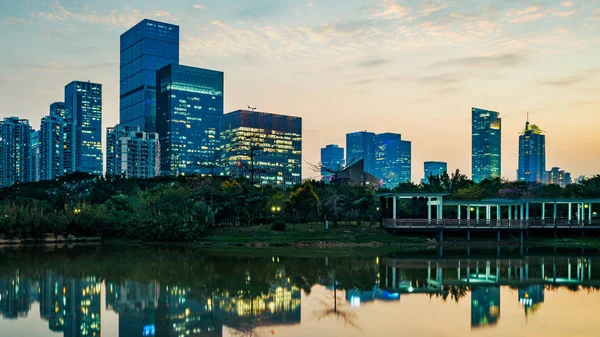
(458, 212)
(498, 215)
(521, 208)
(527, 211)
(394, 208)
(570, 211)
(509, 212)
(428, 208)
(477, 214)
(590, 212)
(516, 212)
(543, 211)
(488, 212)
(440, 208)
(468, 212)
(555, 212)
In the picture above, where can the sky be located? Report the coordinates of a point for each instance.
(409, 67)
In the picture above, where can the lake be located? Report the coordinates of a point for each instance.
(160, 291)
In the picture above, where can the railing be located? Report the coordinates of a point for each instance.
(482, 224)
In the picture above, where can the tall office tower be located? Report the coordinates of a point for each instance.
(434, 168)
(264, 147)
(131, 152)
(15, 151)
(189, 106)
(556, 176)
(83, 108)
(361, 145)
(35, 155)
(52, 147)
(486, 144)
(332, 159)
(532, 155)
(145, 48)
(392, 159)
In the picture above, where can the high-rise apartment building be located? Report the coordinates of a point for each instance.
(532, 155)
(264, 147)
(556, 176)
(35, 155)
(189, 106)
(58, 109)
(83, 108)
(332, 159)
(145, 48)
(434, 168)
(15, 151)
(361, 145)
(392, 159)
(131, 152)
(486, 144)
(52, 147)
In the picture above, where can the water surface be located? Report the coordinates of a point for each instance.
(131, 292)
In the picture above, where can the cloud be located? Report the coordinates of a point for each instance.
(362, 82)
(526, 15)
(573, 79)
(440, 79)
(389, 9)
(482, 62)
(16, 21)
(567, 4)
(198, 6)
(374, 63)
(219, 23)
(53, 65)
(160, 14)
(126, 17)
(564, 14)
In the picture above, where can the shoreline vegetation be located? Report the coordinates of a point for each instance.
(223, 211)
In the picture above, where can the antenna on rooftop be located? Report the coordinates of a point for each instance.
(251, 108)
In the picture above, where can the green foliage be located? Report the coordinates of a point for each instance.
(278, 225)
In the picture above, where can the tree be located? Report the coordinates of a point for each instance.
(245, 148)
(305, 202)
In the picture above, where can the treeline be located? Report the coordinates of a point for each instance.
(180, 208)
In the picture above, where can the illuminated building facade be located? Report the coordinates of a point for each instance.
(361, 145)
(434, 168)
(35, 155)
(83, 308)
(15, 299)
(52, 147)
(485, 306)
(392, 159)
(263, 146)
(83, 108)
(15, 151)
(53, 299)
(332, 159)
(189, 106)
(145, 48)
(532, 155)
(131, 152)
(486, 144)
(559, 177)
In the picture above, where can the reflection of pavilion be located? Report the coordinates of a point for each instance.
(356, 297)
(485, 306)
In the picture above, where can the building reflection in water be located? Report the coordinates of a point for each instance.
(485, 306)
(531, 298)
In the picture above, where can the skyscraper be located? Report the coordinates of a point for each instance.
(264, 147)
(58, 109)
(532, 155)
(189, 106)
(556, 176)
(83, 108)
(486, 144)
(15, 151)
(434, 168)
(361, 145)
(131, 152)
(332, 159)
(392, 159)
(145, 48)
(51, 147)
(35, 155)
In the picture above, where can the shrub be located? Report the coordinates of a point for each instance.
(278, 225)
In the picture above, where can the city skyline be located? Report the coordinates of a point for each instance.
(333, 65)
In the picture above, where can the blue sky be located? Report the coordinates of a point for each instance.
(410, 67)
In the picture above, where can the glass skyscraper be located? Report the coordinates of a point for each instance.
(131, 152)
(35, 155)
(532, 155)
(52, 147)
(189, 106)
(145, 48)
(434, 168)
(486, 144)
(392, 159)
(268, 145)
(332, 158)
(15, 151)
(361, 145)
(83, 108)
